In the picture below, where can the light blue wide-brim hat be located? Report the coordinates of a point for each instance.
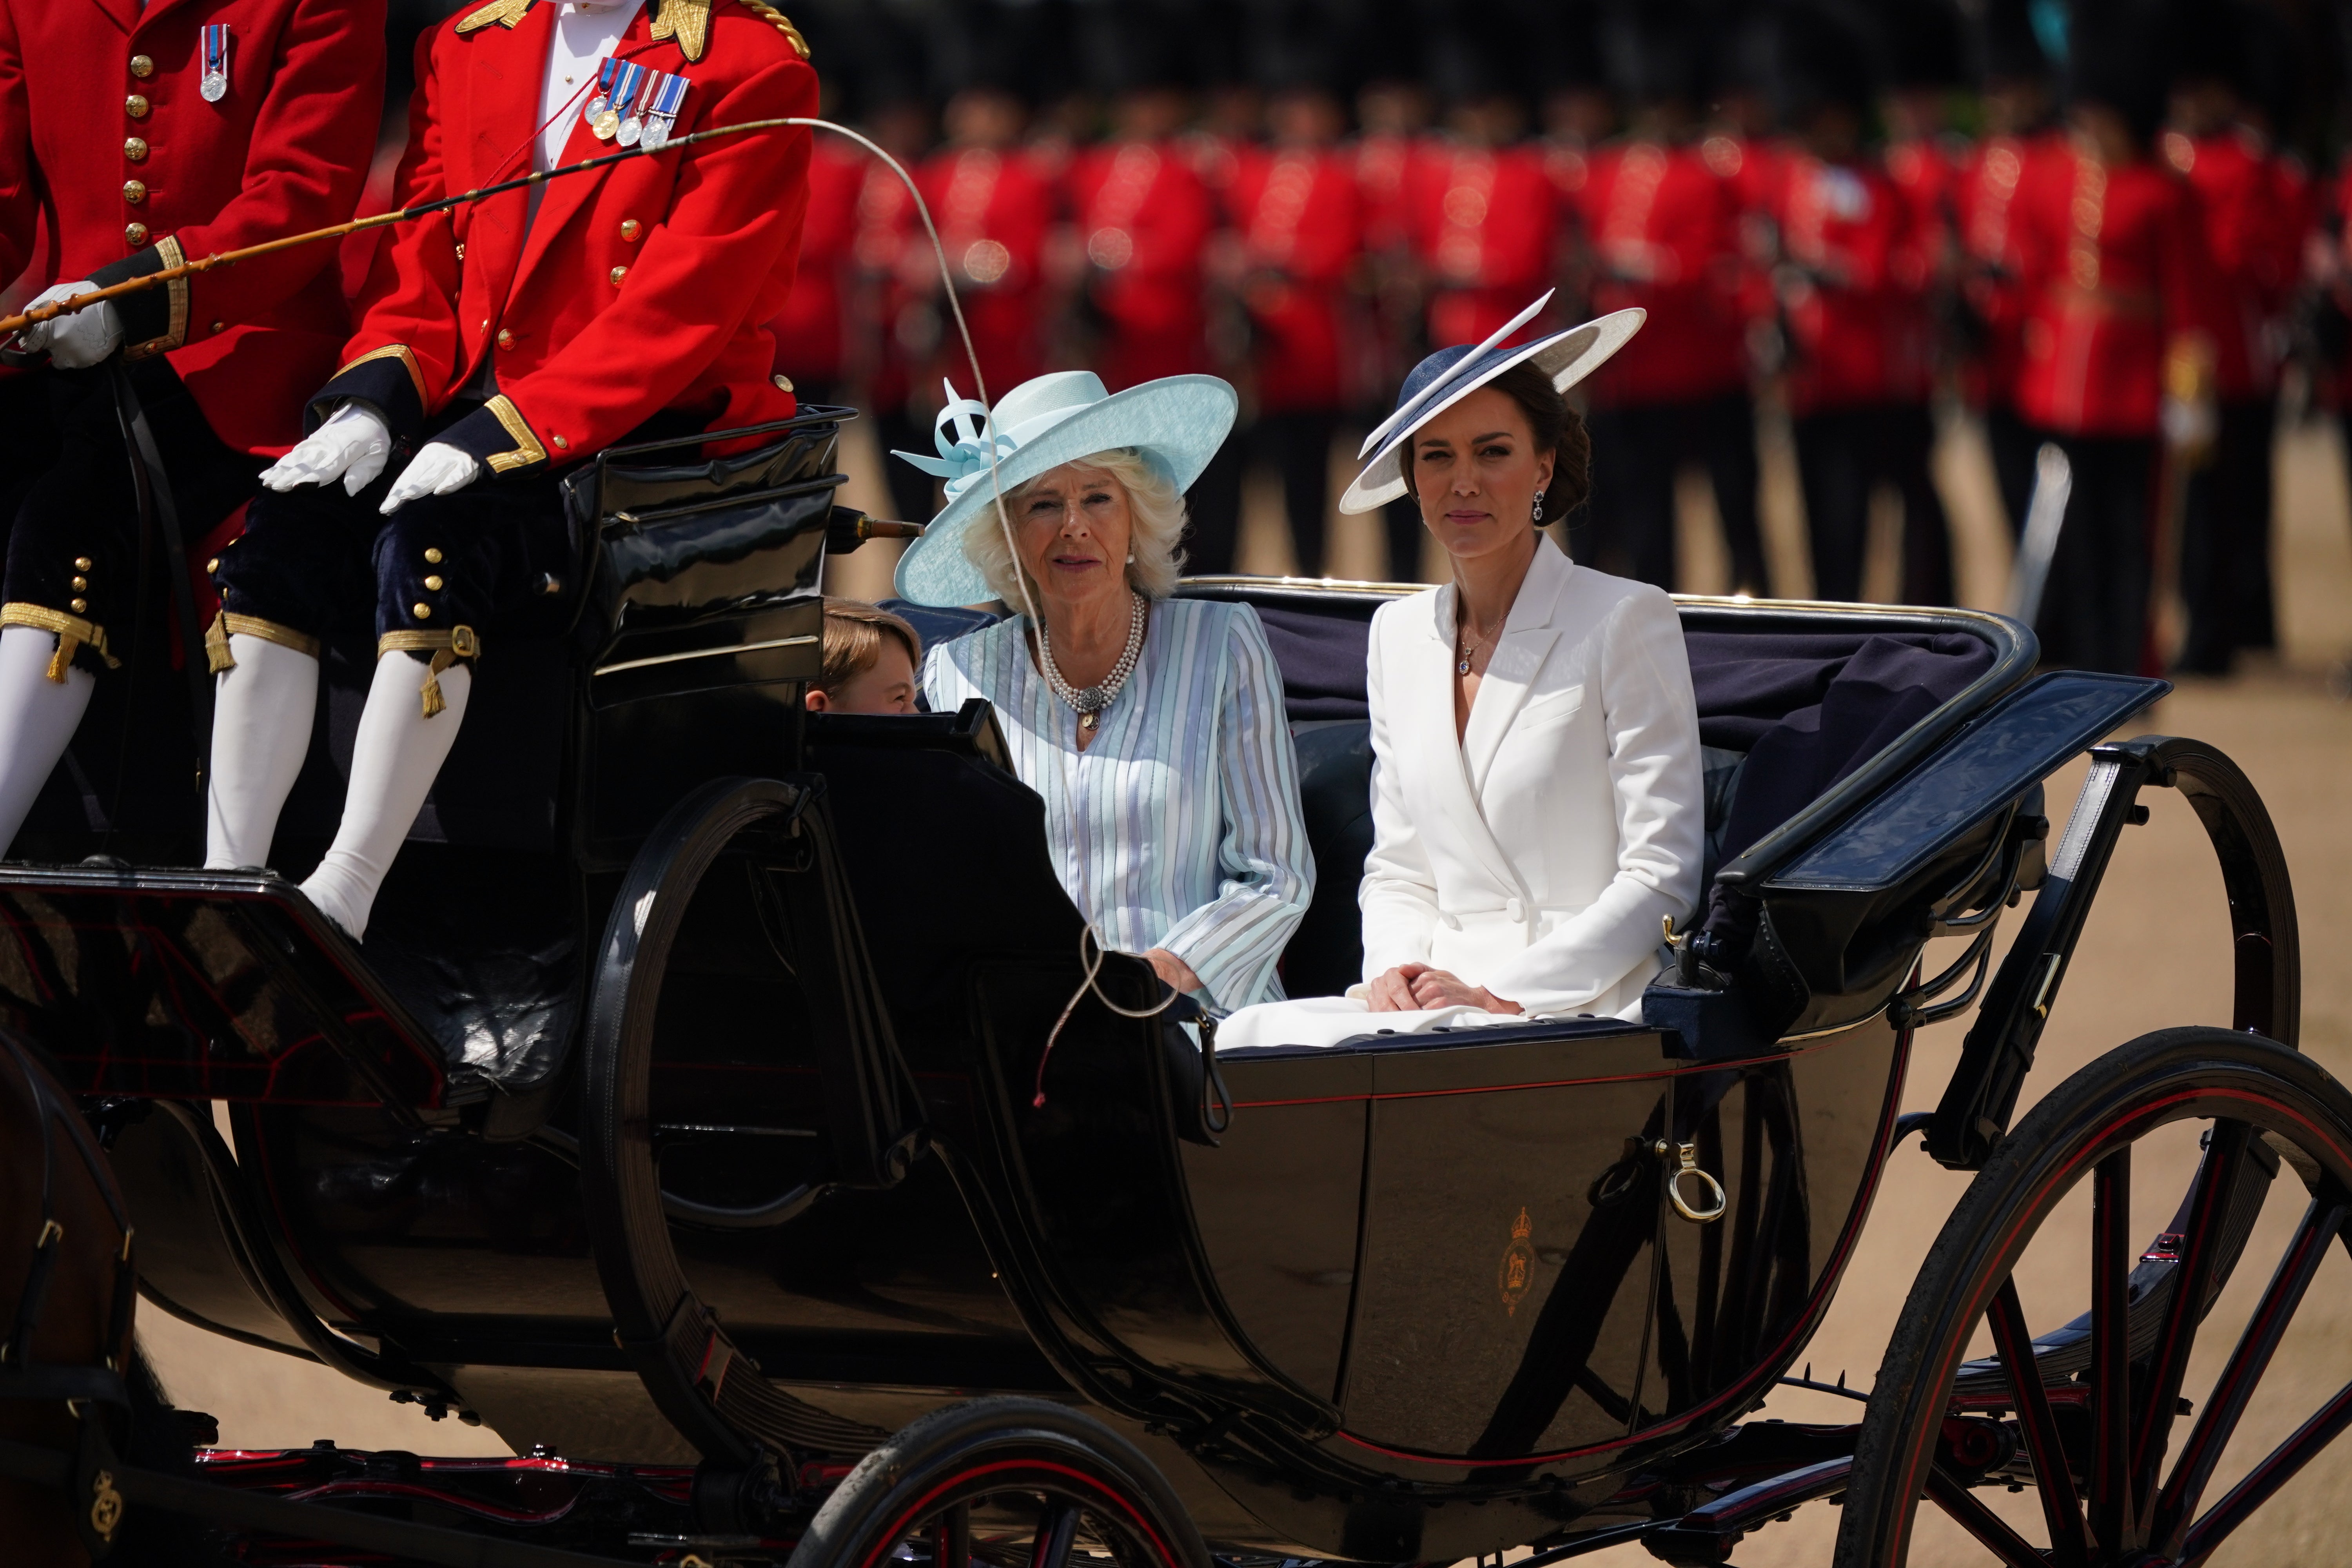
(1176, 423)
(1451, 374)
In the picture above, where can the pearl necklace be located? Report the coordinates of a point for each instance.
(1090, 703)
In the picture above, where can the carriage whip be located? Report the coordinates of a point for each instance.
(11, 325)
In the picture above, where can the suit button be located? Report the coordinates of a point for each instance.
(141, 67)
(563, 444)
(134, 235)
(1516, 909)
(433, 585)
(81, 606)
(505, 339)
(81, 563)
(619, 273)
(631, 228)
(135, 149)
(134, 191)
(421, 610)
(461, 250)
(214, 565)
(81, 584)
(220, 326)
(135, 106)
(432, 556)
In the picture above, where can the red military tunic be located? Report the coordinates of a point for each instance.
(994, 208)
(2250, 207)
(1663, 228)
(1145, 219)
(813, 335)
(108, 145)
(647, 286)
(2113, 269)
(1852, 304)
(1483, 225)
(887, 257)
(1984, 191)
(1302, 227)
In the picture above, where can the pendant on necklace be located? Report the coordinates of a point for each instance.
(1462, 668)
(1087, 721)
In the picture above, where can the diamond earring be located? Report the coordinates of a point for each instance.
(1539, 507)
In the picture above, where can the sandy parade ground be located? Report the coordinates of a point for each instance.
(2156, 953)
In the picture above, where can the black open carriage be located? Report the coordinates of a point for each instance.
(682, 1119)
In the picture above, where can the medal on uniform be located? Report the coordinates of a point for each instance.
(669, 97)
(626, 94)
(214, 84)
(606, 122)
(603, 102)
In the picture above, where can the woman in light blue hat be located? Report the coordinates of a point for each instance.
(1536, 810)
(1152, 727)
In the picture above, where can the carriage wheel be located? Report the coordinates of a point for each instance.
(1003, 1483)
(2124, 1466)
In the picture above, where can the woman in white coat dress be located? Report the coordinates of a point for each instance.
(1536, 804)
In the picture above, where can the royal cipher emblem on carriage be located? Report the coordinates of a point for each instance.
(1514, 1276)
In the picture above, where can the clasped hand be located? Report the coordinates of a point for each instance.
(1416, 987)
(353, 447)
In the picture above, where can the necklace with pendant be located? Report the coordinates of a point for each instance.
(1089, 702)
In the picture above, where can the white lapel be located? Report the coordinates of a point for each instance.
(1419, 693)
(1526, 641)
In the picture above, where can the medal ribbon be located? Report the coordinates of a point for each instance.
(602, 97)
(668, 96)
(215, 47)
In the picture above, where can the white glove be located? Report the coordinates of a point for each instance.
(437, 471)
(80, 340)
(352, 447)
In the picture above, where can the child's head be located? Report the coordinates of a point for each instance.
(870, 660)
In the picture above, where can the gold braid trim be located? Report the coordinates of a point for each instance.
(72, 632)
(446, 648)
(689, 22)
(176, 332)
(505, 13)
(217, 657)
(527, 448)
(407, 358)
(783, 24)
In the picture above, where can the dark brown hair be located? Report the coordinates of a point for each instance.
(853, 631)
(1553, 427)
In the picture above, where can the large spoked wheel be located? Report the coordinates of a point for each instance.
(1003, 1483)
(2131, 1459)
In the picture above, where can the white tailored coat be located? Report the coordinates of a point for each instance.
(1538, 856)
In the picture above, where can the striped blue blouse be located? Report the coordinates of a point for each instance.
(1185, 832)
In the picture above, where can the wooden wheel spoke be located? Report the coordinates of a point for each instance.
(1057, 1529)
(1992, 1532)
(2322, 1223)
(2209, 1200)
(2265, 1478)
(2060, 1505)
(2112, 1512)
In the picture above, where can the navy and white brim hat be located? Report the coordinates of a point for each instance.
(1451, 374)
(1177, 423)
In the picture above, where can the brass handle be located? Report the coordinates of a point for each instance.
(1687, 1156)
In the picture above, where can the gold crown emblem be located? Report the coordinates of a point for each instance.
(1522, 1227)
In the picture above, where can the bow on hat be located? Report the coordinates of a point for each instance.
(965, 459)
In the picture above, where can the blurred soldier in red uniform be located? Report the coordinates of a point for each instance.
(2115, 278)
(2021, 139)
(1851, 276)
(2251, 200)
(133, 140)
(1144, 218)
(813, 336)
(1661, 229)
(1297, 216)
(994, 207)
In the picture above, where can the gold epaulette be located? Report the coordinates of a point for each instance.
(783, 24)
(505, 13)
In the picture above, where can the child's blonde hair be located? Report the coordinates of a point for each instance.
(853, 631)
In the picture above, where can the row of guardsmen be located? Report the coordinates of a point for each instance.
(2112, 263)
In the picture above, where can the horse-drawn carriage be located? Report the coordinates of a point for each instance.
(686, 1119)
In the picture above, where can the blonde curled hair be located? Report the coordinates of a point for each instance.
(1155, 508)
